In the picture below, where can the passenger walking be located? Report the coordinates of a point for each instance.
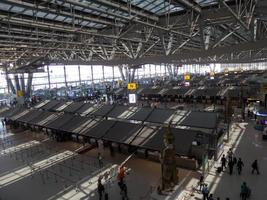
(205, 192)
(124, 192)
(230, 154)
(210, 197)
(100, 189)
(255, 167)
(100, 160)
(3, 123)
(201, 182)
(245, 191)
(240, 165)
(231, 166)
(234, 160)
(223, 161)
(120, 177)
(111, 150)
(106, 196)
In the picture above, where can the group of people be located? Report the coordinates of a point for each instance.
(101, 190)
(230, 161)
(203, 187)
(121, 183)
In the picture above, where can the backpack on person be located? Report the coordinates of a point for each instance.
(205, 190)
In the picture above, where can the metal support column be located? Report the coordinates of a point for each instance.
(121, 72)
(29, 84)
(133, 75)
(79, 71)
(113, 78)
(48, 77)
(128, 74)
(11, 85)
(103, 73)
(65, 76)
(7, 81)
(92, 77)
(16, 79)
(149, 72)
(22, 84)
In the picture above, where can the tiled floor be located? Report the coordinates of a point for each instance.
(75, 178)
(247, 144)
(33, 167)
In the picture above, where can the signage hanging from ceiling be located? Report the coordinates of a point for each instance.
(187, 76)
(132, 98)
(19, 93)
(132, 86)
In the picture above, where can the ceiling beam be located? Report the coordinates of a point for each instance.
(239, 20)
(188, 4)
(120, 6)
(37, 7)
(177, 58)
(62, 28)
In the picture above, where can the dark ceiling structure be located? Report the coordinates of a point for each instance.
(131, 32)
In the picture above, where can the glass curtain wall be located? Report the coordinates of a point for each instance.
(3, 84)
(86, 74)
(245, 66)
(98, 73)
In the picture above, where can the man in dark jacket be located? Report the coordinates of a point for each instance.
(100, 189)
(223, 161)
(240, 165)
(231, 166)
(255, 167)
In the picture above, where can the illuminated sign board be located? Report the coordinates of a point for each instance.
(187, 77)
(19, 93)
(132, 98)
(132, 86)
(187, 84)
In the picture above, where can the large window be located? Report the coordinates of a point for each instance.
(3, 84)
(108, 73)
(40, 80)
(117, 74)
(97, 73)
(57, 74)
(72, 73)
(85, 72)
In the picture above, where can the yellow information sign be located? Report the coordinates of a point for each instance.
(132, 86)
(19, 93)
(187, 77)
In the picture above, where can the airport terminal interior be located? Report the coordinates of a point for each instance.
(133, 99)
